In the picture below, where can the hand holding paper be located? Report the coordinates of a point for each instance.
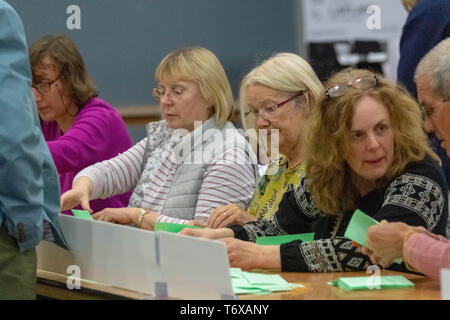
(357, 231)
(387, 240)
(78, 195)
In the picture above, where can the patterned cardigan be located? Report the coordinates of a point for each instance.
(417, 197)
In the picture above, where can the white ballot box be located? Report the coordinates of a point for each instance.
(195, 268)
(160, 264)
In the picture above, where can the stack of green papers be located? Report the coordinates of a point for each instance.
(372, 282)
(357, 229)
(258, 283)
(279, 240)
(172, 227)
(82, 214)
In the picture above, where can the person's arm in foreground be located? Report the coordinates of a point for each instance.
(421, 250)
(29, 188)
(241, 254)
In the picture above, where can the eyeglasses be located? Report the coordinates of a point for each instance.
(267, 111)
(177, 92)
(363, 83)
(43, 87)
(428, 111)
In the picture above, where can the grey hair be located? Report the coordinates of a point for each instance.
(436, 64)
(284, 72)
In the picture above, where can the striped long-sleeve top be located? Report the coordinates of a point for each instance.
(229, 177)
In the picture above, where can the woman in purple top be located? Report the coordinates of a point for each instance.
(80, 129)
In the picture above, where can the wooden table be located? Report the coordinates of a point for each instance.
(316, 288)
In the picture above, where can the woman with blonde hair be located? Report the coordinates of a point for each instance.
(275, 99)
(365, 149)
(190, 163)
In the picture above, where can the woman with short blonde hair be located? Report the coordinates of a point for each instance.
(201, 66)
(191, 162)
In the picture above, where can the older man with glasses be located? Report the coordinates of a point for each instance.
(432, 77)
(422, 250)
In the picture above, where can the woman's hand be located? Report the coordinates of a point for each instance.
(227, 215)
(118, 215)
(248, 255)
(386, 241)
(208, 233)
(79, 194)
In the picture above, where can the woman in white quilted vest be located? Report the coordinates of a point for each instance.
(191, 162)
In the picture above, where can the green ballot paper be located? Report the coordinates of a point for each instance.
(357, 229)
(258, 283)
(278, 240)
(172, 227)
(372, 283)
(83, 214)
(358, 226)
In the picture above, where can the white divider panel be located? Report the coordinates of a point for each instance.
(106, 253)
(195, 268)
(445, 284)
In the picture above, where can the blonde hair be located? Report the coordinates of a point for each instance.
(284, 72)
(68, 62)
(202, 66)
(327, 139)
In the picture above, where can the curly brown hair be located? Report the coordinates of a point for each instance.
(327, 139)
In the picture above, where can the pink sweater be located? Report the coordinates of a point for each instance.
(427, 255)
(98, 133)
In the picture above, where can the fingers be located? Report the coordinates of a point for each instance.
(220, 216)
(366, 251)
(100, 216)
(375, 259)
(190, 232)
(68, 200)
(85, 205)
(103, 215)
(199, 223)
(72, 198)
(217, 217)
(225, 219)
(215, 214)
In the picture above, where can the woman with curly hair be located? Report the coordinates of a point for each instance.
(365, 149)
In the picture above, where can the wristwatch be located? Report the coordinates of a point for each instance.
(142, 213)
